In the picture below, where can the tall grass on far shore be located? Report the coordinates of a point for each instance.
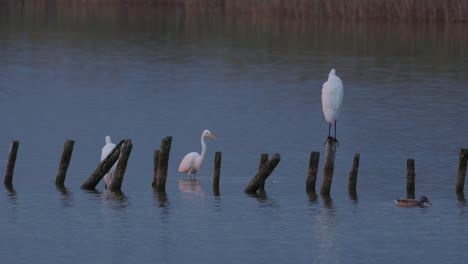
(440, 11)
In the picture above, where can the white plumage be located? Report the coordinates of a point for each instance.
(105, 151)
(192, 162)
(332, 99)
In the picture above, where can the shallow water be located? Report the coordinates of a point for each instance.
(256, 85)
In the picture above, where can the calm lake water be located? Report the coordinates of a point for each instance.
(256, 85)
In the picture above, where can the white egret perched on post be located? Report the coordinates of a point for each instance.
(332, 99)
(192, 162)
(106, 150)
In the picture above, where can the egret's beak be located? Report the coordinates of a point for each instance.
(429, 203)
(212, 136)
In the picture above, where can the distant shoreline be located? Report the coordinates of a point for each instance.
(426, 11)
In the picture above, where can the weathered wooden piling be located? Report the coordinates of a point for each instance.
(462, 163)
(410, 179)
(163, 164)
(64, 162)
(263, 174)
(11, 162)
(352, 182)
(312, 171)
(157, 152)
(117, 179)
(329, 166)
(103, 168)
(217, 173)
(263, 160)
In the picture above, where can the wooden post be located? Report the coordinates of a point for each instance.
(217, 173)
(11, 163)
(410, 179)
(462, 163)
(163, 164)
(103, 168)
(312, 171)
(353, 173)
(329, 166)
(156, 167)
(263, 174)
(263, 160)
(64, 162)
(117, 179)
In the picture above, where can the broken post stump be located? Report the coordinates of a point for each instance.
(354, 173)
(103, 168)
(217, 173)
(329, 166)
(11, 163)
(312, 171)
(462, 163)
(163, 164)
(156, 167)
(263, 160)
(410, 179)
(117, 179)
(263, 174)
(64, 162)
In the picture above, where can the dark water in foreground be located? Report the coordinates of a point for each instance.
(256, 85)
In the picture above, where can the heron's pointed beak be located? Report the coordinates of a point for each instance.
(212, 136)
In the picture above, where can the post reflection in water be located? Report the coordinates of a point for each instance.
(461, 199)
(327, 231)
(161, 198)
(353, 196)
(11, 193)
(65, 195)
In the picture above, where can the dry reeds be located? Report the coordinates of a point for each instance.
(356, 10)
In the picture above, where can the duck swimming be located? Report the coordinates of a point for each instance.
(412, 202)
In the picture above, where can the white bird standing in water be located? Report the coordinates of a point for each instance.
(192, 162)
(332, 98)
(106, 150)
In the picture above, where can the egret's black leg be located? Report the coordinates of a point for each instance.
(329, 133)
(335, 129)
(336, 140)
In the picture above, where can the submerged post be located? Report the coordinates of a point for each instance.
(156, 167)
(462, 163)
(263, 160)
(353, 173)
(117, 179)
(163, 164)
(11, 162)
(103, 168)
(263, 174)
(217, 173)
(410, 179)
(312, 171)
(64, 162)
(329, 166)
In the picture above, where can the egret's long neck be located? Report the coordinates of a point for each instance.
(203, 150)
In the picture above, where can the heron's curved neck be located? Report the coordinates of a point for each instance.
(203, 145)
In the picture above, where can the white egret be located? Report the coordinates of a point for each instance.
(192, 162)
(332, 98)
(106, 150)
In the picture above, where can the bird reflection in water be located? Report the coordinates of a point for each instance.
(191, 187)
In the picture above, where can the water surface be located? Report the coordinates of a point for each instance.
(256, 85)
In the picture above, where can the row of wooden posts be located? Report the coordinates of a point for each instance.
(266, 166)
